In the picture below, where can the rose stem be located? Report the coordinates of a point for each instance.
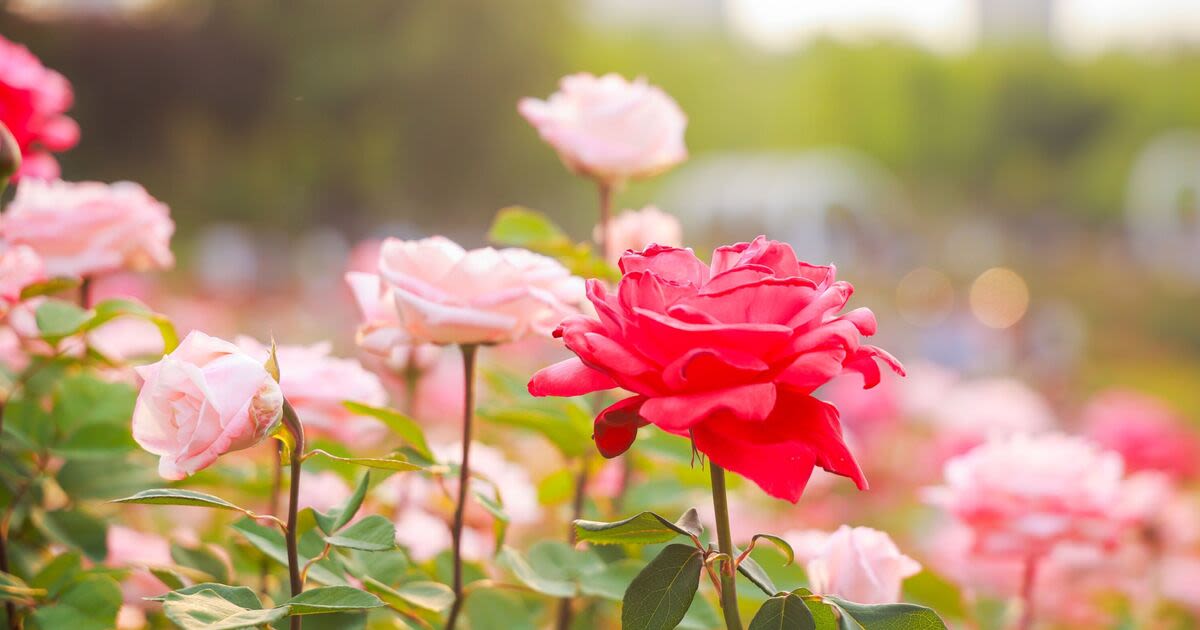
(272, 509)
(85, 293)
(464, 477)
(292, 423)
(1028, 579)
(602, 240)
(10, 610)
(729, 602)
(564, 605)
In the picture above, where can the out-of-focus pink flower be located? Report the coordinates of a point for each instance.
(973, 411)
(444, 294)
(20, 267)
(126, 338)
(1179, 579)
(12, 355)
(608, 128)
(203, 400)
(423, 508)
(638, 229)
(33, 100)
(1145, 431)
(88, 228)
(138, 551)
(317, 384)
(726, 354)
(1023, 495)
(322, 491)
(860, 564)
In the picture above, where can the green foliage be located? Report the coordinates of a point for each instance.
(180, 496)
(331, 599)
(271, 543)
(202, 559)
(57, 319)
(659, 597)
(419, 595)
(403, 426)
(779, 543)
(643, 529)
(78, 530)
(521, 227)
(888, 616)
(757, 576)
(372, 533)
(565, 422)
(393, 463)
(552, 568)
(783, 612)
(337, 518)
(89, 602)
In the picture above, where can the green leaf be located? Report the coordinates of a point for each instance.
(373, 533)
(562, 422)
(206, 609)
(930, 589)
(400, 424)
(779, 543)
(83, 399)
(755, 573)
(240, 596)
(201, 559)
(103, 479)
(553, 586)
(179, 496)
(80, 530)
(58, 318)
(167, 576)
(493, 609)
(500, 518)
(58, 572)
(96, 441)
(391, 463)
(271, 543)
(337, 518)
(332, 599)
(644, 529)
(522, 227)
(89, 603)
(783, 612)
(48, 287)
(613, 580)
(556, 488)
(431, 596)
(111, 309)
(13, 588)
(661, 594)
(889, 616)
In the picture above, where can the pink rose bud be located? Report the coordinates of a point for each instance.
(608, 128)
(861, 565)
(88, 228)
(638, 229)
(203, 400)
(433, 291)
(35, 99)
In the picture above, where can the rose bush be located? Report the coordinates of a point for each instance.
(727, 354)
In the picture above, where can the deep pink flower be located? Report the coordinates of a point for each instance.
(33, 100)
(1145, 431)
(728, 354)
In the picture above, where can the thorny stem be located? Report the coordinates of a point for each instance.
(729, 605)
(464, 475)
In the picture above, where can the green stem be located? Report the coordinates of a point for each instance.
(565, 612)
(292, 423)
(602, 241)
(729, 602)
(10, 609)
(464, 477)
(273, 510)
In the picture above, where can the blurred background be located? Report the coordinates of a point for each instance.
(1013, 185)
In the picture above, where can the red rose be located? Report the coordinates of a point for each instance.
(728, 354)
(32, 101)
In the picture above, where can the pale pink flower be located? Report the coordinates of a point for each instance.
(138, 551)
(1179, 578)
(638, 229)
(206, 398)
(861, 565)
(88, 228)
(317, 384)
(608, 128)
(1022, 495)
(322, 491)
(1145, 431)
(20, 267)
(444, 294)
(973, 411)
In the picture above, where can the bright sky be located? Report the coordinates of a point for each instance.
(1079, 26)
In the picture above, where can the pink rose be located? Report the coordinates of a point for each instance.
(444, 294)
(322, 491)
(608, 128)
(1023, 495)
(727, 354)
(32, 102)
(82, 229)
(317, 384)
(1145, 431)
(131, 548)
(203, 400)
(20, 267)
(638, 229)
(972, 411)
(861, 565)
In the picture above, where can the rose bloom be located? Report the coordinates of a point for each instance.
(638, 229)
(87, 228)
(861, 565)
(608, 128)
(972, 411)
(316, 385)
(424, 507)
(1145, 431)
(1023, 495)
(203, 400)
(727, 355)
(444, 294)
(131, 548)
(33, 100)
(20, 267)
